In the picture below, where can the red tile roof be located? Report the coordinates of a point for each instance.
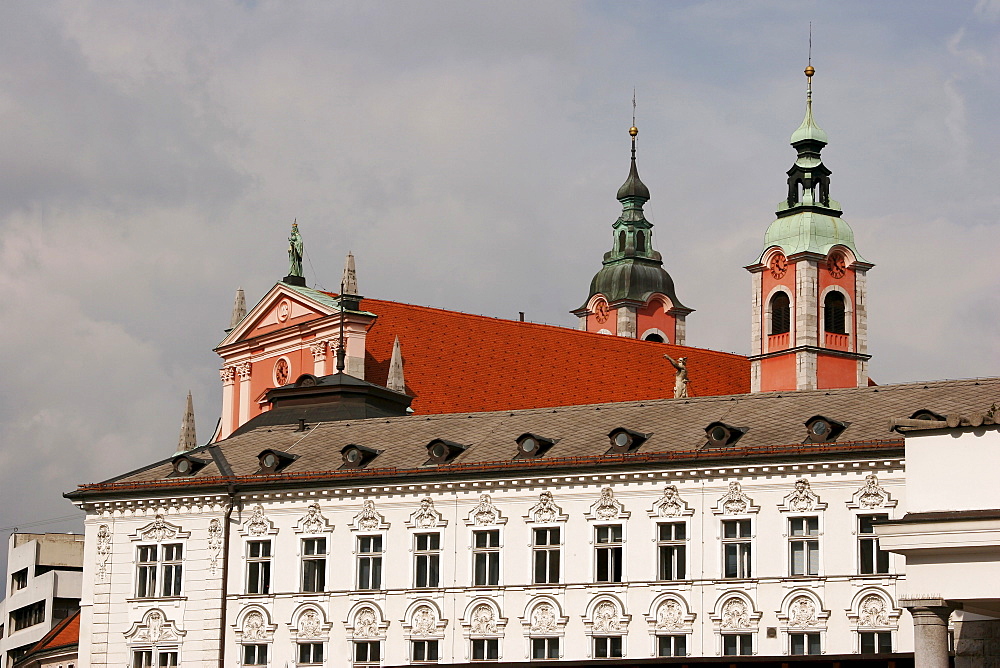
(64, 634)
(457, 362)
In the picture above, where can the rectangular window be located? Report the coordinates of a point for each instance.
(873, 559)
(143, 659)
(158, 571)
(427, 560)
(19, 580)
(367, 653)
(736, 548)
(27, 616)
(545, 648)
(369, 562)
(545, 556)
(254, 655)
(258, 568)
(803, 643)
(609, 553)
(167, 660)
(486, 558)
(485, 649)
(803, 555)
(671, 645)
(876, 642)
(736, 644)
(313, 564)
(671, 551)
(608, 647)
(425, 651)
(310, 653)
(171, 569)
(148, 563)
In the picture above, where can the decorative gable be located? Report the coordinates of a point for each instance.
(160, 530)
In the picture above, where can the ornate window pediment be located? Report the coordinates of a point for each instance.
(735, 502)
(803, 610)
(735, 612)
(545, 511)
(606, 616)
(257, 524)
(426, 516)
(313, 521)
(871, 495)
(607, 508)
(160, 530)
(485, 513)
(310, 624)
(483, 619)
(670, 504)
(543, 617)
(423, 620)
(801, 499)
(254, 625)
(670, 613)
(154, 628)
(366, 621)
(873, 609)
(369, 519)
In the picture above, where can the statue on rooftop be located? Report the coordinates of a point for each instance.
(681, 377)
(295, 251)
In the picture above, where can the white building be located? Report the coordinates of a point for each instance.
(43, 588)
(705, 527)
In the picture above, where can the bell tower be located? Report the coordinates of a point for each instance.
(809, 292)
(633, 295)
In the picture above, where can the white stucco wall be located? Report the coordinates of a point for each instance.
(954, 471)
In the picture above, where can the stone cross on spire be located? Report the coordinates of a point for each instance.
(188, 439)
(396, 382)
(239, 308)
(350, 279)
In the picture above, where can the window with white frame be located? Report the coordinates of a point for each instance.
(367, 653)
(545, 648)
(259, 567)
(671, 645)
(545, 555)
(803, 643)
(427, 560)
(803, 546)
(671, 551)
(485, 649)
(370, 562)
(875, 642)
(151, 658)
(255, 654)
(608, 553)
(736, 548)
(872, 560)
(313, 564)
(159, 570)
(310, 654)
(486, 558)
(737, 644)
(608, 647)
(424, 651)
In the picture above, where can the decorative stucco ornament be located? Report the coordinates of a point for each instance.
(872, 495)
(484, 620)
(735, 614)
(314, 522)
(366, 624)
(159, 530)
(669, 616)
(543, 618)
(545, 511)
(872, 611)
(485, 513)
(608, 507)
(606, 617)
(258, 524)
(310, 625)
(215, 535)
(735, 502)
(103, 550)
(670, 504)
(425, 516)
(802, 612)
(424, 623)
(253, 626)
(802, 498)
(369, 519)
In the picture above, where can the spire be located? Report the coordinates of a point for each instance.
(350, 279)
(396, 382)
(342, 342)
(809, 130)
(188, 439)
(239, 308)
(295, 251)
(633, 186)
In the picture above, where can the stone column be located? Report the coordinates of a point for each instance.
(243, 369)
(930, 631)
(227, 374)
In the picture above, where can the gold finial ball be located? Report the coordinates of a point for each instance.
(633, 131)
(810, 70)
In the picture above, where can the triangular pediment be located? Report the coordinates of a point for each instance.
(283, 306)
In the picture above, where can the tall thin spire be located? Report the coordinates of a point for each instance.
(396, 382)
(341, 344)
(239, 308)
(349, 282)
(188, 438)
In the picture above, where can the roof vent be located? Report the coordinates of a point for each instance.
(823, 429)
(721, 434)
(306, 380)
(532, 445)
(924, 414)
(357, 456)
(273, 461)
(440, 451)
(625, 440)
(187, 465)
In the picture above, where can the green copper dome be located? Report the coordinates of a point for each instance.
(810, 231)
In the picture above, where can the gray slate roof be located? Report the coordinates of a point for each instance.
(674, 425)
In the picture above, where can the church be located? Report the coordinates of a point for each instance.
(381, 493)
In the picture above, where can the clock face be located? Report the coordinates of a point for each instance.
(779, 265)
(281, 372)
(284, 310)
(601, 311)
(836, 264)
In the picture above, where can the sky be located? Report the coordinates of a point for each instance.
(153, 156)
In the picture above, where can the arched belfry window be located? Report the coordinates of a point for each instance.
(640, 241)
(781, 313)
(621, 241)
(834, 313)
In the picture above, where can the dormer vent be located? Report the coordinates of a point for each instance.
(721, 434)
(823, 430)
(188, 465)
(626, 440)
(306, 380)
(532, 445)
(925, 414)
(440, 451)
(273, 461)
(357, 456)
